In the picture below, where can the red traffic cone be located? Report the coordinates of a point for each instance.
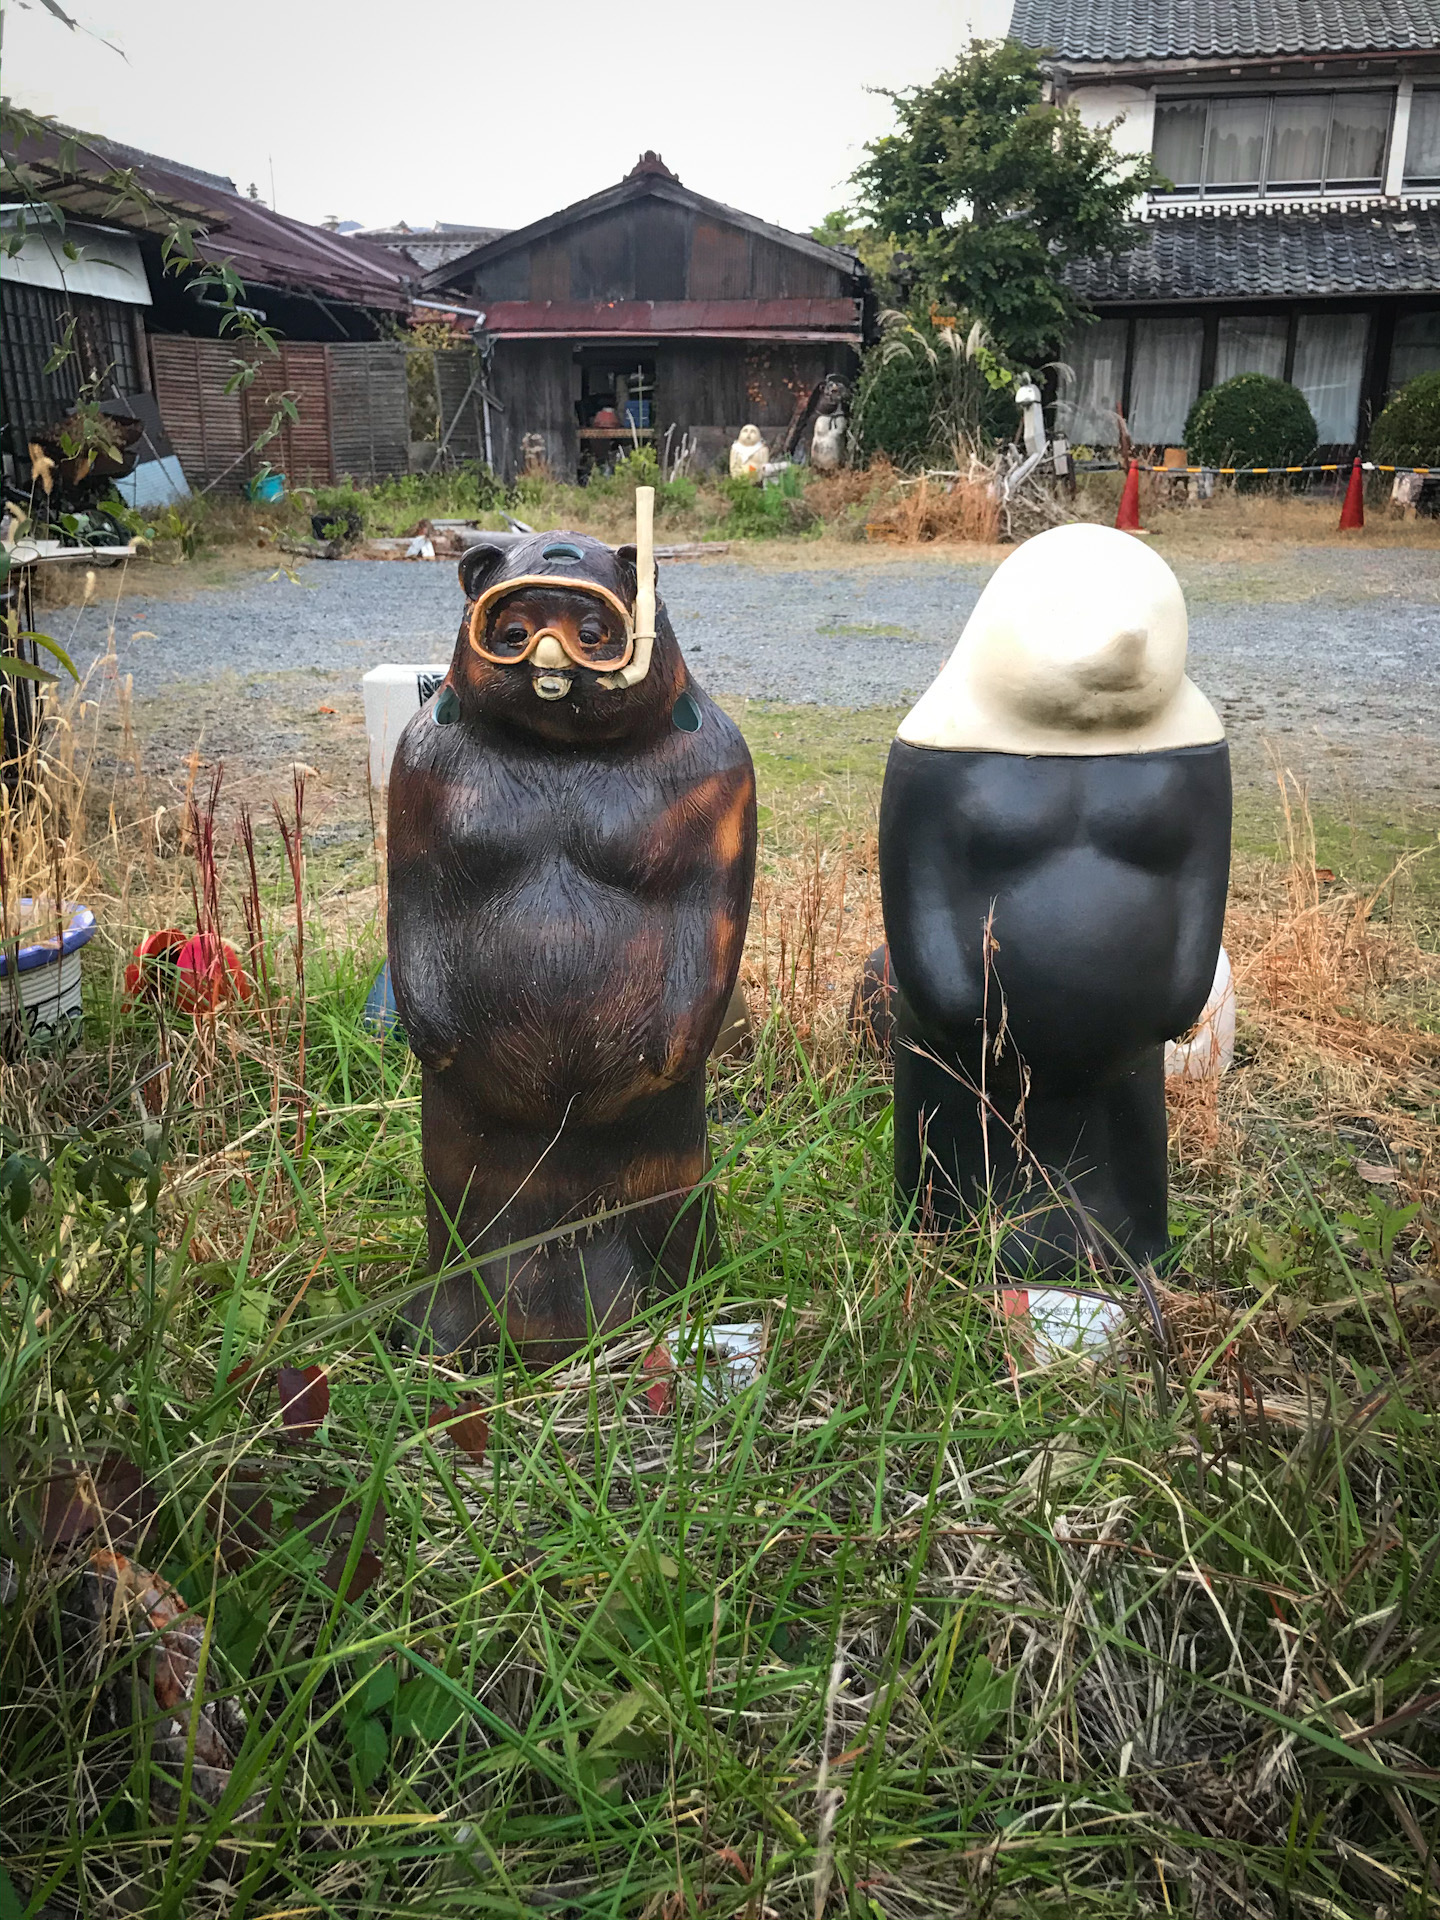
(1352, 514)
(1127, 520)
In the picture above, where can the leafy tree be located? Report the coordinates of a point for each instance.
(995, 193)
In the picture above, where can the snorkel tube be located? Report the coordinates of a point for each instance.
(644, 594)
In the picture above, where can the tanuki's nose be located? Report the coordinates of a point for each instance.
(548, 652)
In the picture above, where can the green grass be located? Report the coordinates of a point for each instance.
(899, 1629)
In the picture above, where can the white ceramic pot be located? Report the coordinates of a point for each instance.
(43, 990)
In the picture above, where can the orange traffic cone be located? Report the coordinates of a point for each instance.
(1352, 514)
(1128, 518)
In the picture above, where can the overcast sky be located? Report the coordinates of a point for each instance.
(494, 113)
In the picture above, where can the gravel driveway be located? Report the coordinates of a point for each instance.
(1333, 655)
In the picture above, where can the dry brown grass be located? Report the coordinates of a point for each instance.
(964, 509)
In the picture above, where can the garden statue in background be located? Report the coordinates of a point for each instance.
(571, 853)
(749, 455)
(1054, 854)
(827, 442)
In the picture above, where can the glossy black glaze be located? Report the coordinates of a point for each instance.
(569, 888)
(1107, 878)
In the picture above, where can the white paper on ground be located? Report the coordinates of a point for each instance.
(733, 1351)
(1068, 1323)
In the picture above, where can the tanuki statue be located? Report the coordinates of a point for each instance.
(571, 855)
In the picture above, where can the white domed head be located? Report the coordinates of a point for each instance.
(749, 436)
(1076, 646)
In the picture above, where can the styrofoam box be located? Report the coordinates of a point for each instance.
(392, 695)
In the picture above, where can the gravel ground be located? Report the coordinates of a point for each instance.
(1335, 656)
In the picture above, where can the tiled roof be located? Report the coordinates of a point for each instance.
(1211, 29)
(1271, 254)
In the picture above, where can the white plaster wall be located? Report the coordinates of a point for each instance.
(1133, 107)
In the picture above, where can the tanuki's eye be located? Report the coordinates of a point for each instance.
(591, 634)
(511, 638)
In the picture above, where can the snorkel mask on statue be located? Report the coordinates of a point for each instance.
(560, 624)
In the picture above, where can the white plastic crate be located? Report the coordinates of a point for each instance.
(392, 695)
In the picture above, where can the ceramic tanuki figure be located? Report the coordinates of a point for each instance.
(571, 849)
(1054, 852)
(748, 454)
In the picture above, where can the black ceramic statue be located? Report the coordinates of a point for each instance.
(571, 854)
(1054, 853)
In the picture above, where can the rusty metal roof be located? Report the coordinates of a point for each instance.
(82, 173)
(793, 319)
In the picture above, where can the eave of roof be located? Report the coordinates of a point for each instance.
(1271, 253)
(637, 187)
(1131, 30)
(265, 248)
(716, 319)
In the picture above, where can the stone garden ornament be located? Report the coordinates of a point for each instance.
(749, 455)
(571, 855)
(827, 443)
(1054, 855)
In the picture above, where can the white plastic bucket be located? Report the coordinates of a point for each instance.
(43, 991)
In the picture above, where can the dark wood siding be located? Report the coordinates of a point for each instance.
(662, 242)
(719, 262)
(652, 248)
(532, 383)
(602, 258)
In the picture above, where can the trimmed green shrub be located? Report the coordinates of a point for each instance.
(1251, 421)
(1407, 434)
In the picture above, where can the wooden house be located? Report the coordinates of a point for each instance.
(1298, 233)
(645, 308)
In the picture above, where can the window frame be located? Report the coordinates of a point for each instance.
(1419, 180)
(1209, 98)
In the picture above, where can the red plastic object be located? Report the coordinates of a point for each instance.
(147, 973)
(210, 975)
(1127, 520)
(1352, 514)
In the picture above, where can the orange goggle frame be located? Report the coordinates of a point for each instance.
(502, 588)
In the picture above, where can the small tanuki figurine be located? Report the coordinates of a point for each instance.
(1054, 854)
(827, 442)
(749, 455)
(571, 854)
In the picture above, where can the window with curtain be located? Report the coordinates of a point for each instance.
(1089, 398)
(1279, 142)
(1416, 347)
(1164, 378)
(1251, 343)
(1422, 150)
(1329, 368)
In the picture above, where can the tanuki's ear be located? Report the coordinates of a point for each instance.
(627, 557)
(477, 564)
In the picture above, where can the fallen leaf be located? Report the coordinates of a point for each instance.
(330, 1518)
(243, 1516)
(660, 1394)
(112, 1495)
(201, 1744)
(466, 1425)
(1376, 1172)
(304, 1399)
(1325, 875)
(327, 709)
